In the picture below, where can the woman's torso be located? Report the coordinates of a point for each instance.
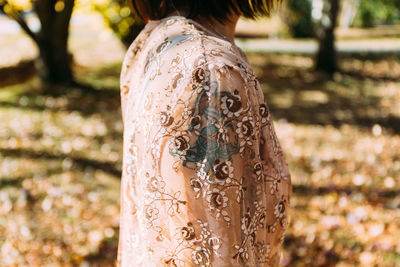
(178, 43)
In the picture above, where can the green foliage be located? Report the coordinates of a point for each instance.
(299, 18)
(120, 19)
(10, 7)
(373, 12)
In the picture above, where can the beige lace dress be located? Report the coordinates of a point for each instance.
(204, 181)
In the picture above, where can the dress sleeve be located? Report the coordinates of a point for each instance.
(221, 154)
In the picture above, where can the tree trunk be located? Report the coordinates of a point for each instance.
(54, 62)
(52, 41)
(326, 56)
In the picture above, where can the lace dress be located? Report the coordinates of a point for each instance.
(204, 181)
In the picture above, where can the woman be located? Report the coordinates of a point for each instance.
(204, 181)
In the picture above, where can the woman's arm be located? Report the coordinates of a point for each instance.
(220, 162)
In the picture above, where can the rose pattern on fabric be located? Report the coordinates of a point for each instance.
(204, 180)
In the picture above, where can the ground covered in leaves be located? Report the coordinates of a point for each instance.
(60, 163)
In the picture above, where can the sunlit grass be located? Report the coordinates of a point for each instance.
(60, 163)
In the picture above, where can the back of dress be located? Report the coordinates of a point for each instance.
(204, 180)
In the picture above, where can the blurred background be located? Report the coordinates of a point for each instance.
(330, 71)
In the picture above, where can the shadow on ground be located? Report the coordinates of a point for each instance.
(67, 136)
(353, 96)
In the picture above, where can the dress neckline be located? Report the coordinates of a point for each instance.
(199, 25)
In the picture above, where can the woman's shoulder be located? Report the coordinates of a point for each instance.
(178, 35)
(176, 46)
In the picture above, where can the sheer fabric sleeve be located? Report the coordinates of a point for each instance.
(221, 167)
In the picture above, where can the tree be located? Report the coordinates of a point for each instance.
(298, 17)
(118, 16)
(54, 16)
(373, 12)
(326, 56)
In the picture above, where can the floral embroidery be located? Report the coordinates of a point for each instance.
(231, 104)
(223, 171)
(200, 241)
(198, 134)
(180, 144)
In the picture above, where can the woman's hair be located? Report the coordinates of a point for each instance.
(218, 9)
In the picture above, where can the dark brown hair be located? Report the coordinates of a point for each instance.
(218, 9)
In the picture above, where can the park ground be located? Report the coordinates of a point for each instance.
(60, 156)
